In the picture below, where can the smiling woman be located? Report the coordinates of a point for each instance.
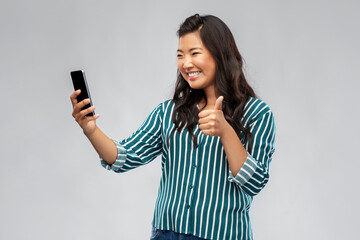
(195, 62)
(215, 137)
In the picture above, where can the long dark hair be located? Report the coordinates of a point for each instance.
(230, 80)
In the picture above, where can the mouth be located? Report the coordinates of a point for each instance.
(193, 75)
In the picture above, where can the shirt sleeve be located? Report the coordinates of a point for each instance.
(142, 147)
(254, 174)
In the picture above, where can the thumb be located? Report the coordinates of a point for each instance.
(218, 103)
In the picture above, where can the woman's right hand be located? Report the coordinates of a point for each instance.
(87, 123)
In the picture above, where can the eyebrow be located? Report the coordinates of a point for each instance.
(191, 49)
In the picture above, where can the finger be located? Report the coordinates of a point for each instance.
(206, 119)
(208, 132)
(203, 120)
(90, 118)
(209, 118)
(204, 113)
(205, 126)
(86, 119)
(218, 103)
(73, 96)
(80, 105)
(82, 114)
(87, 111)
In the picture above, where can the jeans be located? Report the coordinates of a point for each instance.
(170, 235)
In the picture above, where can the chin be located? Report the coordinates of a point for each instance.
(194, 85)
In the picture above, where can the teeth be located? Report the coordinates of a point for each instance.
(193, 74)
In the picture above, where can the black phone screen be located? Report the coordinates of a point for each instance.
(79, 82)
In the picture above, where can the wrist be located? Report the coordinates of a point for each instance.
(90, 134)
(226, 130)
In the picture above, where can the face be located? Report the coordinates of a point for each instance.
(195, 63)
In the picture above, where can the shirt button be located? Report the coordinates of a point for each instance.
(187, 206)
(190, 186)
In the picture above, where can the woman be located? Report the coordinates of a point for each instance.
(215, 137)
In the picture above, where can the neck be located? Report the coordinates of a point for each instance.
(210, 96)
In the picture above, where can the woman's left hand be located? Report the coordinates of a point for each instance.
(213, 122)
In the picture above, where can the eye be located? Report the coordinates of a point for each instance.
(195, 53)
(179, 55)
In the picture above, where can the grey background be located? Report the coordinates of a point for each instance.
(302, 58)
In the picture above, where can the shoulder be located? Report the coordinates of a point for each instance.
(166, 105)
(256, 108)
(165, 108)
(168, 102)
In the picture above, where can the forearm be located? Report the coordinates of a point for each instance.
(234, 149)
(103, 145)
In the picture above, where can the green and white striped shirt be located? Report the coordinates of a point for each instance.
(198, 194)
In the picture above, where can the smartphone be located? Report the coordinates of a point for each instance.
(79, 82)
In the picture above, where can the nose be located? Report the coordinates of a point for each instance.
(187, 63)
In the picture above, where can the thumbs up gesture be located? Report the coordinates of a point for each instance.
(212, 122)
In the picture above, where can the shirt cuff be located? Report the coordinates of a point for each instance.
(120, 159)
(245, 172)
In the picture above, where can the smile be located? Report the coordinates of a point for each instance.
(193, 74)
